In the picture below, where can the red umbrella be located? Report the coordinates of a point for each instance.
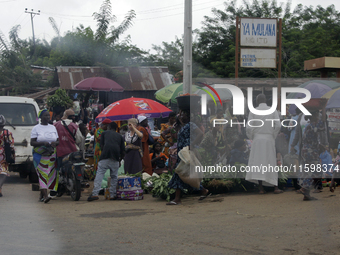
(99, 84)
(131, 107)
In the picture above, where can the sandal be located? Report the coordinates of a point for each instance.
(92, 198)
(309, 198)
(204, 197)
(46, 200)
(173, 203)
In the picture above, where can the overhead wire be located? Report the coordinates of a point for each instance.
(145, 12)
(181, 13)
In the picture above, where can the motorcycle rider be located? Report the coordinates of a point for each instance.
(70, 137)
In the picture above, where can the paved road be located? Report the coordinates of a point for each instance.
(231, 224)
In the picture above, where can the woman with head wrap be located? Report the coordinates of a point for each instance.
(97, 150)
(44, 139)
(312, 138)
(134, 153)
(7, 136)
(189, 135)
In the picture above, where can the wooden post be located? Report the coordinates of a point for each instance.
(236, 50)
(279, 65)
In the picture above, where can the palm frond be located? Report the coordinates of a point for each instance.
(54, 26)
(125, 25)
(4, 45)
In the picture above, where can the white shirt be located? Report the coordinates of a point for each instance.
(44, 133)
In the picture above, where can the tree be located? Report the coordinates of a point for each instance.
(15, 69)
(308, 33)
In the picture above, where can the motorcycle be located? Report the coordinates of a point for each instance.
(71, 176)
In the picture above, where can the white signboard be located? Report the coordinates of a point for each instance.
(334, 121)
(258, 58)
(258, 32)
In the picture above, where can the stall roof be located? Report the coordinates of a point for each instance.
(130, 78)
(40, 94)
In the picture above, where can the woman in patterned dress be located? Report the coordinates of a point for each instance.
(44, 139)
(5, 135)
(190, 134)
(310, 153)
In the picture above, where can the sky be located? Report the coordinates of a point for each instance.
(156, 21)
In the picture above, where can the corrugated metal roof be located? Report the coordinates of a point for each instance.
(40, 94)
(130, 78)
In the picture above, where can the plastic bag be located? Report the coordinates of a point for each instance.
(186, 169)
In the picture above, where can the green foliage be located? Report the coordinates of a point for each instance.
(307, 33)
(60, 98)
(160, 186)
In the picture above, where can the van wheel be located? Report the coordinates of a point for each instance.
(32, 176)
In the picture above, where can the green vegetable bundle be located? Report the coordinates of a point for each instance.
(160, 186)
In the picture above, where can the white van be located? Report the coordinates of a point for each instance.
(21, 115)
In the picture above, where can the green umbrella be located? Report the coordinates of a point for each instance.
(171, 92)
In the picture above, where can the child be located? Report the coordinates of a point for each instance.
(238, 154)
(158, 158)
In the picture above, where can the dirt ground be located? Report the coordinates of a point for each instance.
(238, 223)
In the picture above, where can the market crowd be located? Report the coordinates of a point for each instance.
(134, 143)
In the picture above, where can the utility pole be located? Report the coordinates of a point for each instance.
(33, 13)
(187, 62)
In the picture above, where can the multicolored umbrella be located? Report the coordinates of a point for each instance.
(170, 92)
(313, 83)
(333, 97)
(131, 108)
(317, 90)
(98, 84)
(329, 94)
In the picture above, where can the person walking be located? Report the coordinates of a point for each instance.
(5, 136)
(113, 151)
(263, 151)
(70, 136)
(189, 135)
(44, 139)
